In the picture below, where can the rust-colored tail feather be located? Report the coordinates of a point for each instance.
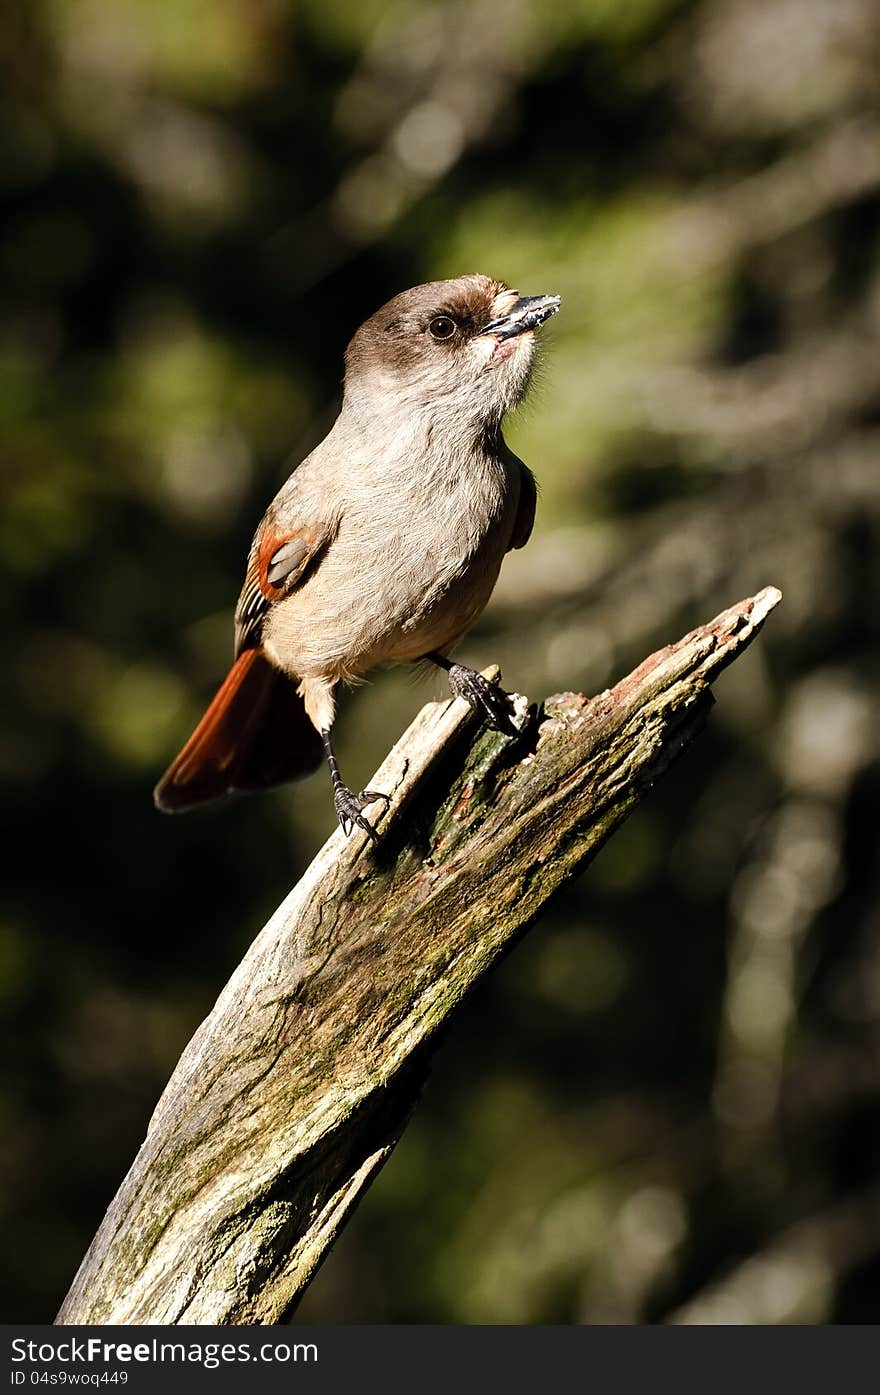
(255, 734)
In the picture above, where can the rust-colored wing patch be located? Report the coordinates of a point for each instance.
(277, 564)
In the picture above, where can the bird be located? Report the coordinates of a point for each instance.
(383, 545)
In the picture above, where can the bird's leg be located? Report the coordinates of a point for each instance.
(491, 702)
(349, 806)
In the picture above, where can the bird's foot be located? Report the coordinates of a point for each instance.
(491, 702)
(350, 807)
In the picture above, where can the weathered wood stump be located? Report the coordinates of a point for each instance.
(293, 1092)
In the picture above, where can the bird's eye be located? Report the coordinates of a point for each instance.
(441, 327)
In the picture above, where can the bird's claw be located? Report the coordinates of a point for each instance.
(486, 698)
(350, 807)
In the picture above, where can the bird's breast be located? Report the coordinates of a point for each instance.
(414, 561)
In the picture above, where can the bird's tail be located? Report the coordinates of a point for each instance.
(255, 734)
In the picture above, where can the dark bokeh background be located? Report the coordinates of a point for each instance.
(666, 1104)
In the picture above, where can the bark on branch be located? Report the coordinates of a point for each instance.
(293, 1092)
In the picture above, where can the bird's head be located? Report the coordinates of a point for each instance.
(459, 350)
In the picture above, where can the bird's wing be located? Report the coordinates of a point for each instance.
(280, 559)
(525, 514)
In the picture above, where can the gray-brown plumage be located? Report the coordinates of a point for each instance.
(384, 544)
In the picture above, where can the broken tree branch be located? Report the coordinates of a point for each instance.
(293, 1092)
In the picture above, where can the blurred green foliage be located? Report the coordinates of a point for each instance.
(665, 1105)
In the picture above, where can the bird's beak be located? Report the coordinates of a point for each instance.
(526, 313)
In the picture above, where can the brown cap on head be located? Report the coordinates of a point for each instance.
(397, 326)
